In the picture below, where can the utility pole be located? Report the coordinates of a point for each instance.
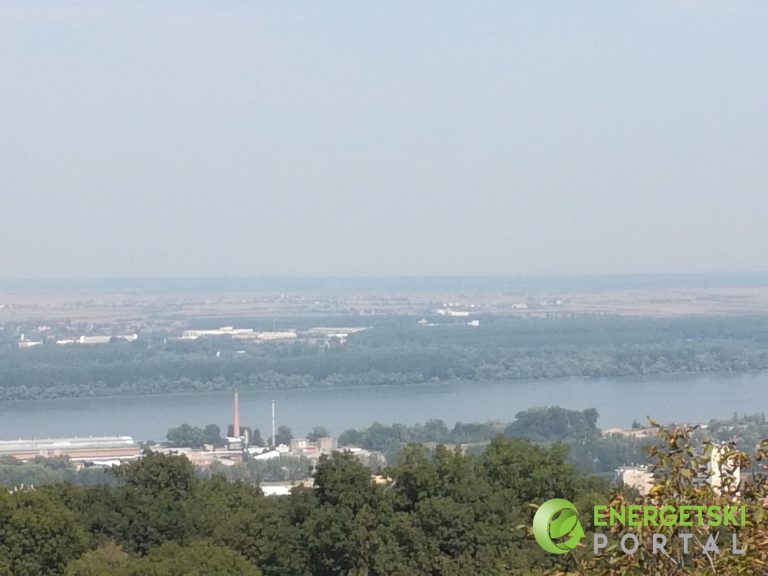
(236, 423)
(274, 439)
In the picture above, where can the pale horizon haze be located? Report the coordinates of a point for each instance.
(233, 138)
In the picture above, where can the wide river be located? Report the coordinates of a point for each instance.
(689, 398)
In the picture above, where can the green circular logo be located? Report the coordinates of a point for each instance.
(556, 526)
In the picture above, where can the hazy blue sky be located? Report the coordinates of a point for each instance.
(372, 138)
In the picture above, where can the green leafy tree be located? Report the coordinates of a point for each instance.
(335, 528)
(318, 432)
(682, 475)
(106, 560)
(266, 534)
(186, 436)
(554, 424)
(255, 437)
(342, 481)
(282, 436)
(198, 559)
(529, 472)
(38, 536)
(155, 504)
(212, 435)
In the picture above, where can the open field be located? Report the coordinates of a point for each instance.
(15, 307)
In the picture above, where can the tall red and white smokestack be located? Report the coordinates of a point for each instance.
(236, 427)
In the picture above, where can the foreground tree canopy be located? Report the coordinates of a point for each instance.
(439, 513)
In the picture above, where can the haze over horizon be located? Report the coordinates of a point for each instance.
(202, 139)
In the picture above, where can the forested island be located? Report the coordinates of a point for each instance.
(393, 350)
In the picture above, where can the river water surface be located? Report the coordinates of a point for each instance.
(690, 398)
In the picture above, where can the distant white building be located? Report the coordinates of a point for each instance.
(283, 488)
(269, 336)
(223, 331)
(326, 444)
(630, 432)
(238, 334)
(298, 444)
(724, 473)
(638, 477)
(331, 331)
(93, 340)
(25, 343)
(451, 312)
(275, 489)
(268, 455)
(105, 448)
(90, 340)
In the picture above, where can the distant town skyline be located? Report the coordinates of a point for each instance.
(201, 139)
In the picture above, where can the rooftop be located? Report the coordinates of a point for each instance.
(20, 445)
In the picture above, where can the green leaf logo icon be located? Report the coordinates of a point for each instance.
(556, 526)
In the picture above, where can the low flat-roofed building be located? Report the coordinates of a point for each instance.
(268, 455)
(326, 444)
(638, 477)
(298, 444)
(630, 432)
(203, 458)
(223, 331)
(78, 449)
(268, 336)
(284, 488)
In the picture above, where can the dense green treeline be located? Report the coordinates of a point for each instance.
(590, 452)
(395, 350)
(545, 424)
(440, 514)
(41, 470)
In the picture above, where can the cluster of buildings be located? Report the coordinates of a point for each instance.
(452, 312)
(238, 447)
(723, 471)
(65, 333)
(98, 339)
(108, 451)
(24, 342)
(326, 333)
(724, 474)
